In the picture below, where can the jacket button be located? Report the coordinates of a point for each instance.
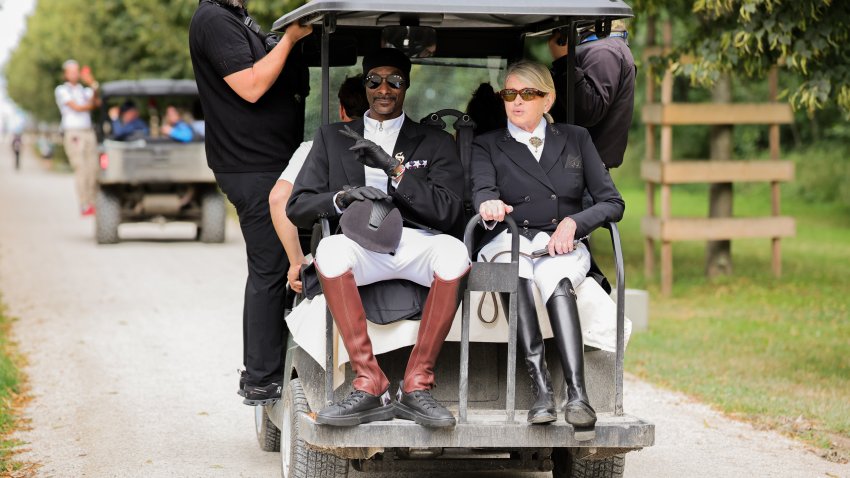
(525, 223)
(527, 199)
(553, 197)
(554, 221)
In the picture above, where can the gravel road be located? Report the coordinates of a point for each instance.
(133, 349)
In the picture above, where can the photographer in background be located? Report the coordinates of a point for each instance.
(252, 90)
(75, 103)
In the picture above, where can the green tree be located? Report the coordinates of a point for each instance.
(806, 37)
(120, 39)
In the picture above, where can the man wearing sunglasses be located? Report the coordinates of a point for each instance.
(386, 154)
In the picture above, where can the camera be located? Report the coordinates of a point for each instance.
(270, 41)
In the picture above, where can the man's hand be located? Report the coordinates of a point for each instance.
(360, 193)
(114, 113)
(369, 153)
(294, 277)
(86, 76)
(166, 129)
(561, 241)
(295, 32)
(557, 50)
(494, 210)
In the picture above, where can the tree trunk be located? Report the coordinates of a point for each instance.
(719, 253)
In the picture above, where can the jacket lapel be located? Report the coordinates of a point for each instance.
(407, 142)
(522, 157)
(553, 146)
(354, 171)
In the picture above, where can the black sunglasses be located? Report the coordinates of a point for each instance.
(527, 94)
(394, 80)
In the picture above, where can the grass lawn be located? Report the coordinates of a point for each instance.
(773, 351)
(10, 402)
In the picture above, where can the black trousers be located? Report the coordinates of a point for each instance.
(264, 331)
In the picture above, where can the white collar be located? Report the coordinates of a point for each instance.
(387, 126)
(523, 136)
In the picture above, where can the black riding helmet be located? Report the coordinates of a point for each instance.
(374, 225)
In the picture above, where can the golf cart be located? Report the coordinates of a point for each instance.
(152, 177)
(469, 41)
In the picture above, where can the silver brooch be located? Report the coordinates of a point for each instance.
(536, 142)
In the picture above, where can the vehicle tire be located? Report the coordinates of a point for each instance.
(268, 435)
(213, 218)
(107, 217)
(568, 467)
(296, 458)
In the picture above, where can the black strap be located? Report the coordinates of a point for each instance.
(465, 127)
(249, 22)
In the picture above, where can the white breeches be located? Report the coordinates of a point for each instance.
(546, 271)
(420, 256)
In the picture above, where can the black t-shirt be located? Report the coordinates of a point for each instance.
(241, 136)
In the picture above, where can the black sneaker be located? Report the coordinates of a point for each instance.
(358, 407)
(243, 377)
(261, 395)
(421, 407)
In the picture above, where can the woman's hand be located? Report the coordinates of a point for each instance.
(561, 241)
(494, 210)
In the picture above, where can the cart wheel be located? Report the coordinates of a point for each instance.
(268, 436)
(568, 467)
(107, 217)
(213, 217)
(296, 459)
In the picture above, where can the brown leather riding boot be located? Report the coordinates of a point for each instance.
(414, 400)
(345, 305)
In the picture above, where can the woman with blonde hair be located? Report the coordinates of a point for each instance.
(537, 171)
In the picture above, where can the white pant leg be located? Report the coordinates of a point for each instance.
(499, 250)
(549, 271)
(419, 257)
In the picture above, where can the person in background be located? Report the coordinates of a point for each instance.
(126, 123)
(536, 171)
(604, 87)
(175, 128)
(252, 91)
(486, 109)
(352, 105)
(75, 103)
(17, 146)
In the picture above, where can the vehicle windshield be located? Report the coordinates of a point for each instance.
(435, 84)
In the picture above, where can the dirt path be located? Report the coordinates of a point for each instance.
(133, 350)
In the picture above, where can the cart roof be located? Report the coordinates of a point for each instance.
(456, 14)
(152, 87)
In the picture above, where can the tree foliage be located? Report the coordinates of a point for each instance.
(119, 39)
(806, 37)
(128, 39)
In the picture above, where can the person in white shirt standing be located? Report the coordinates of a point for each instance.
(76, 102)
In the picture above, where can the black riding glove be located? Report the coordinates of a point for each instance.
(369, 153)
(360, 193)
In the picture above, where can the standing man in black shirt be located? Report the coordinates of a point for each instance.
(252, 93)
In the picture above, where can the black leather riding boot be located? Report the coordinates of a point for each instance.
(566, 328)
(530, 341)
